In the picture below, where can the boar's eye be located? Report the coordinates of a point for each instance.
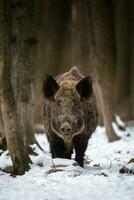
(59, 103)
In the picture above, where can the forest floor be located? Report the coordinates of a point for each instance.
(60, 179)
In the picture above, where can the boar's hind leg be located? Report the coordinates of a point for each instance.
(80, 145)
(58, 149)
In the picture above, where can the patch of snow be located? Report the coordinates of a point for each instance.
(119, 121)
(5, 160)
(62, 179)
(60, 161)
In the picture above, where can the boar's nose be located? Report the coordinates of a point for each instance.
(65, 128)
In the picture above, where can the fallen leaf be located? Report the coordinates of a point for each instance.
(88, 161)
(102, 174)
(131, 161)
(54, 171)
(125, 170)
(8, 169)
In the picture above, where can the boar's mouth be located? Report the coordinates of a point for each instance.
(67, 136)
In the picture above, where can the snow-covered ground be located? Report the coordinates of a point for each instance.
(61, 179)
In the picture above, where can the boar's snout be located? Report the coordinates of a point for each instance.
(67, 123)
(65, 128)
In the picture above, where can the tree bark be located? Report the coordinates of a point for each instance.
(123, 26)
(3, 144)
(104, 58)
(53, 46)
(15, 143)
(2, 131)
(23, 60)
(79, 31)
(132, 64)
(55, 33)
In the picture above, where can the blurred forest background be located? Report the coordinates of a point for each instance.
(51, 36)
(65, 39)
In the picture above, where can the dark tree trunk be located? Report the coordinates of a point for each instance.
(2, 131)
(55, 29)
(123, 26)
(23, 60)
(132, 64)
(79, 31)
(104, 58)
(54, 44)
(15, 143)
(3, 144)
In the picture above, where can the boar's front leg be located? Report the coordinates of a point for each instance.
(57, 148)
(80, 145)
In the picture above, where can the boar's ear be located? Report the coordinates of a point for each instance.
(50, 86)
(84, 87)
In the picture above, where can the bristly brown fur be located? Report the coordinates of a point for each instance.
(72, 74)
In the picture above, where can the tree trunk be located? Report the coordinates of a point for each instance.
(53, 46)
(123, 42)
(15, 143)
(55, 33)
(104, 58)
(23, 60)
(80, 36)
(132, 64)
(2, 131)
(3, 144)
(75, 34)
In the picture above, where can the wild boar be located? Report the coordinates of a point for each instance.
(70, 113)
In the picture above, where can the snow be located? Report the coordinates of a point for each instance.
(119, 121)
(62, 179)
